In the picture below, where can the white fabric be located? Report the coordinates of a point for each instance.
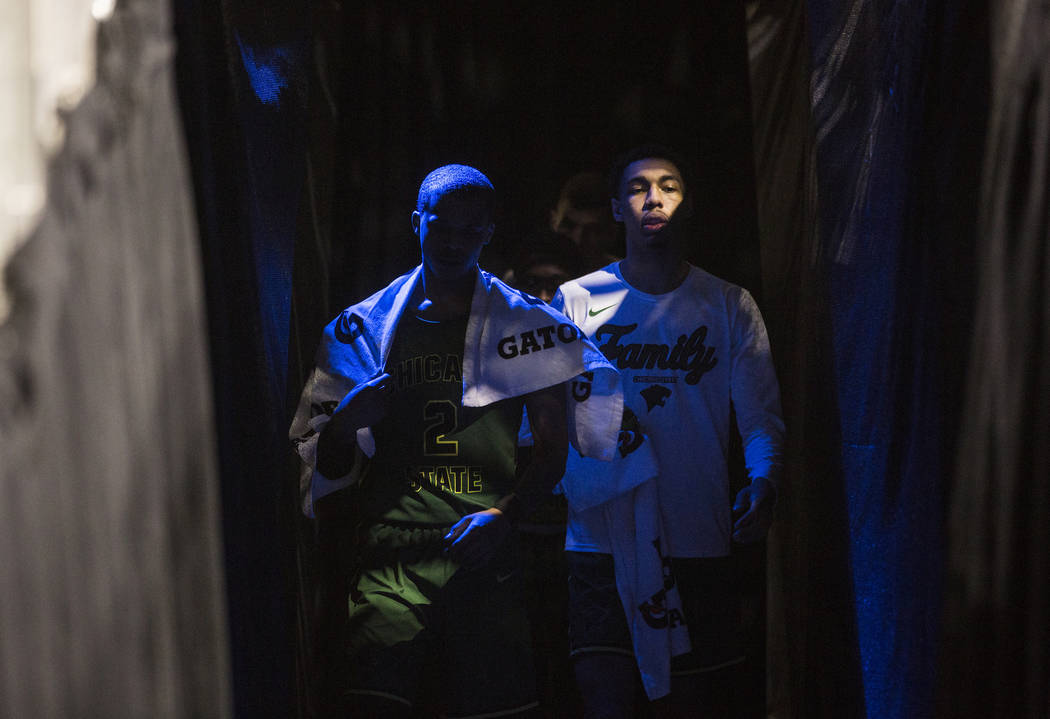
(112, 592)
(716, 332)
(621, 500)
(47, 56)
(514, 345)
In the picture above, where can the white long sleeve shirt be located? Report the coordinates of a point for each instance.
(685, 358)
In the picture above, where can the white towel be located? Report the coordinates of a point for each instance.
(624, 492)
(514, 344)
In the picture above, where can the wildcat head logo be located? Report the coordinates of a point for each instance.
(655, 395)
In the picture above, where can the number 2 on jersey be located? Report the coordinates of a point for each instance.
(441, 417)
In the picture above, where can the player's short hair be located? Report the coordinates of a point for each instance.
(455, 179)
(642, 152)
(547, 247)
(584, 191)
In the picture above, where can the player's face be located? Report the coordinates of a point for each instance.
(543, 280)
(452, 230)
(651, 193)
(573, 222)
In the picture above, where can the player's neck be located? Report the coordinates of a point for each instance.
(444, 299)
(654, 274)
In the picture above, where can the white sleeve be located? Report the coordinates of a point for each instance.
(754, 390)
(558, 302)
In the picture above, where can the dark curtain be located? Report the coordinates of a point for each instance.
(243, 80)
(867, 196)
(868, 94)
(924, 266)
(996, 649)
(813, 653)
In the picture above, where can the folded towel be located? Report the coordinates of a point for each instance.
(621, 503)
(514, 344)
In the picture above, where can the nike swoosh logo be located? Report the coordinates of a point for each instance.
(595, 313)
(501, 578)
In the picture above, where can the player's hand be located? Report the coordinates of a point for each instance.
(753, 510)
(363, 406)
(473, 540)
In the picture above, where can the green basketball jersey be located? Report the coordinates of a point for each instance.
(435, 459)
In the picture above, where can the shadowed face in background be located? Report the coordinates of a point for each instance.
(543, 279)
(452, 229)
(582, 215)
(573, 222)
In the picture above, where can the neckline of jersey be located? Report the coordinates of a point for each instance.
(651, 297)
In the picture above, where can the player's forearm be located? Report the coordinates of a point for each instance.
(763, 453)
(544, 469)
(772, 475)
(765, 486)
(546, 461)
(335, 455)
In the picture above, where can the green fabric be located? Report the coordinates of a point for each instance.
(437, 460)
(400, 587)
(400, 571)
(421, 627)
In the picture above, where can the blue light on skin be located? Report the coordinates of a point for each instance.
(267, 70)
(452, 233)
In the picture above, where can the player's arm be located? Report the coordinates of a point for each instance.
(753, 506)
(473, 540)
(363, 406)
(546, 461)
(756, 398)
(753, 510)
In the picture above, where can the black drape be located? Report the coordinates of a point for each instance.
(995, 657)
(813, 656)
(883, 270)
(242, 87)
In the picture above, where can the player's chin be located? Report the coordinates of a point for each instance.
(652, 229)
(663, 238)
(450, 268)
